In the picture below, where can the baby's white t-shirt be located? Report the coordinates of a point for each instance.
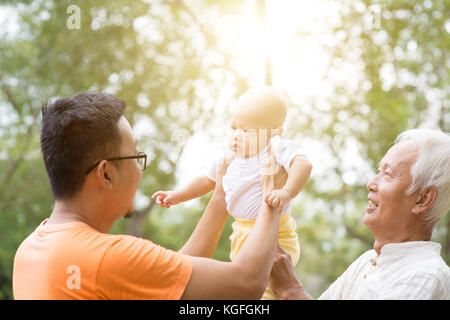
(241, 183)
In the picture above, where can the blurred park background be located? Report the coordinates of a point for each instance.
(355, 72)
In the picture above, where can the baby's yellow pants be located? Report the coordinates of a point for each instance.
(287, 238)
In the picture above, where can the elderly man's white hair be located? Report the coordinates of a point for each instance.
(432, 168)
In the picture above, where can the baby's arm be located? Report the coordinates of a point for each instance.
(196, 188)
(299, 172)
(298, 176)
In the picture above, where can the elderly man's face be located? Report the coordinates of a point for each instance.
(389, 211)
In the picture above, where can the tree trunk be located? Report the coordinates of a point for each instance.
(135, 225)
(261, 5)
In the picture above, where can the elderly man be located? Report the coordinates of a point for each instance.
(407, 198)
(94, 169)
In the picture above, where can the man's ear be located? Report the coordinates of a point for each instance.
(425, 200)
(104, 174)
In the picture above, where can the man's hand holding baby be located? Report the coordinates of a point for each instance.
(273, 178)
(277, 198)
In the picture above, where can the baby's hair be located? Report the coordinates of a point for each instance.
(269, 101)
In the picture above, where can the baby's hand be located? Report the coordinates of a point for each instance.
(166, 198)
(277, 198)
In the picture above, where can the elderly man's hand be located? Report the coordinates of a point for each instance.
(283, 279)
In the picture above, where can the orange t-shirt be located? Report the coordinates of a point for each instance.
(74, 261)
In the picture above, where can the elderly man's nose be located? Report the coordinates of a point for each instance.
(372, 186)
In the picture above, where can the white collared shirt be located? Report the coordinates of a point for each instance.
(406, 270)
(241, 183)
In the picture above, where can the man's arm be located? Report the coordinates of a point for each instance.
(203, 240)
(246, 277)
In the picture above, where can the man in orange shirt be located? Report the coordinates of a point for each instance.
(94, 169)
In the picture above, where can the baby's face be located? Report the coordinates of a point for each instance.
(247, 138)
(257, 116)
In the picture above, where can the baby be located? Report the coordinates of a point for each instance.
(256, 124)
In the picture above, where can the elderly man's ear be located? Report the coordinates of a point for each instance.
(425, 200)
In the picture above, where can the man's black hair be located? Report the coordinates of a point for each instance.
(75, 132)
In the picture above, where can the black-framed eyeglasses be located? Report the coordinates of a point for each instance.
(141, 158)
